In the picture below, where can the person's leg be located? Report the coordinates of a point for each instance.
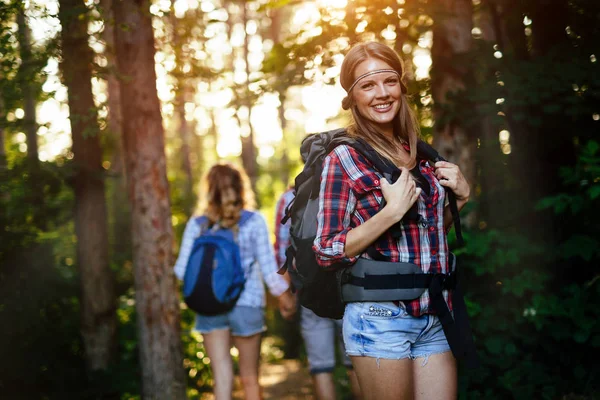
(436, 378)
(434, 366)
(218, 344)
(378, 338)
(324, 386)
(249, 350)
(319, 340)
(383, 379)
(354, 386)
(247, 326)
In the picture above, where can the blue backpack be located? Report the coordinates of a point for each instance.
(214, 277)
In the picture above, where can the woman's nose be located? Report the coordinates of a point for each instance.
(381, 91)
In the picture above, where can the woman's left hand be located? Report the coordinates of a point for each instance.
(287, 304)
(450, 176)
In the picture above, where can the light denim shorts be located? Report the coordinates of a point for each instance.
(241, 321)
(385, 330)
(320, 336)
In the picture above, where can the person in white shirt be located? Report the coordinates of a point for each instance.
(227, 194)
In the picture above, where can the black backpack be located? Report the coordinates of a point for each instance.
(319, 289)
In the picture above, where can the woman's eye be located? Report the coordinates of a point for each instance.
(392, 81)
(367, 86)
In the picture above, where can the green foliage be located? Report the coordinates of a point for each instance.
(536, 309)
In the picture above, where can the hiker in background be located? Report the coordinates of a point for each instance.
(320, 334)
(228, 194)
(398, 348)
(292, 341)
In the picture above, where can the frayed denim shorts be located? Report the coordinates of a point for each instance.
(241, 321)
(385, 330)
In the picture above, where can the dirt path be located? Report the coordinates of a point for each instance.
(283, 380)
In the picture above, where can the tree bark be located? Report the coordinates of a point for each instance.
(282, 86)
(119, 209)
(157, 302)
(451, 39)
(98, 301)
(248, 148)
(184, 150)
(507, 17)
(183, 90)
(29, 101)
(3, 164)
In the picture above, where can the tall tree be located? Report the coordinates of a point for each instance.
(451, 40)
(157, 302)
(98, 301)
(2, 139)
(248, 146)
(280, 87)
(184, 92)
(26, 71)
(119, 207)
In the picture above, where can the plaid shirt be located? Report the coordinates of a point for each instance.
(351, 194)
(257, 256)
(282, 232)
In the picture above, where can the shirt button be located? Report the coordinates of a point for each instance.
(376, 181)
(431, 229)
(434, 252)
(429, 206)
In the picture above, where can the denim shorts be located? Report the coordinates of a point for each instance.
(320, 336)
(241, 321)
(385, 330)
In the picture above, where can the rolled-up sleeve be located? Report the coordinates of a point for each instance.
(263, 254)
(282, 231)
(337, 203)
(191, 232)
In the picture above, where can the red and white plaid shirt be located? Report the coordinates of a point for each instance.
(351, 193)
(282, 232)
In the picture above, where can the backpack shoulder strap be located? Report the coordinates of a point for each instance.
(427, 152)
(245, 217)
(201, 220)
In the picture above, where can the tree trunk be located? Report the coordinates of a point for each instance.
(451, 39)
(157, 302)
(284, 167)
(275, 34)
(248, 148)
(214, 134)
(3, 164)
(183, 90)
(493, 211)
(29, 101)
(120, 212)
(98, 302)
(184, 150)
(507, 17)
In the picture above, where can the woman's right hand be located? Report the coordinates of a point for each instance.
(400, 196)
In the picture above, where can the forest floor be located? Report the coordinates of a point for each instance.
(281, 380)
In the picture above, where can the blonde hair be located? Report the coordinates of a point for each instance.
(221, 181)
(405, 124)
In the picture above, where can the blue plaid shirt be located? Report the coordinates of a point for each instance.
(255, 245)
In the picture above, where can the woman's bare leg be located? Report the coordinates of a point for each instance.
(435, 377)
(382, 379)
(249, 348)
(218, 345)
